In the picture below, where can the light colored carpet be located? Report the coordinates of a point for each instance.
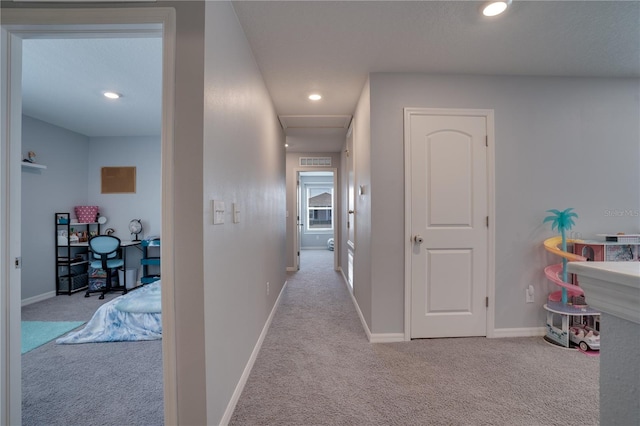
(37, 333)
(107, 384)
(316, 367)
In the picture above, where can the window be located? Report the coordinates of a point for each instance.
(320, 208)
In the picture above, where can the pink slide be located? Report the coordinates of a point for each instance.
(554, 272)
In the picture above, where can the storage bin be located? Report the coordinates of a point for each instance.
(77, 282)
(98, 278)
(132, 277)
(86, 214)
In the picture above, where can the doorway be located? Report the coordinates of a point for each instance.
(20, 24)
(449, 201)
(316, 194)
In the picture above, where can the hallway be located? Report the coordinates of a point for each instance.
(317, 367)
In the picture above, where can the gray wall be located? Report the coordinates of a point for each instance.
(72, 178)
(292, 164)
(244, 162)
(59, 188)
(362, 261)
(560, 142)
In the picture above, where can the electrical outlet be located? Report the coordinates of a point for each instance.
(267, 288)
(528, 294)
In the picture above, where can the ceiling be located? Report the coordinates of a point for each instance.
(330, 47)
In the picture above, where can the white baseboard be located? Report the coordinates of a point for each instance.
(519, 332)
(252, 359)
(386, 337)
(355, 304)
(38, 298)
(292, 269)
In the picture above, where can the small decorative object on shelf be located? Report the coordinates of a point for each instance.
(31, 157)
(135, 227)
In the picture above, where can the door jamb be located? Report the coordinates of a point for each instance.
(489, 116)
(26, 23)
(336, 218)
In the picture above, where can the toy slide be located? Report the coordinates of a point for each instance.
(554, 272)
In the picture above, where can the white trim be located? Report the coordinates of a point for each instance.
(355, 304)
(386, 337)
(489, 116)
(46, 23)
(336, 218)
(38, 298)
(346, 280)
(291, 269)
(611, 287)
(231, 406)
(518, 332)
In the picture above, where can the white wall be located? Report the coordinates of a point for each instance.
(244, 162)
(560, 142)
(59, 188)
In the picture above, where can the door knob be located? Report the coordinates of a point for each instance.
(418, 239)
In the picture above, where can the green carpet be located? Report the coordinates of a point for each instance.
(37, 333)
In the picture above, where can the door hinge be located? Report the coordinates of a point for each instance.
(348, 224)
(486, 301)
(18, 263)
(487, 221)
(486, 140)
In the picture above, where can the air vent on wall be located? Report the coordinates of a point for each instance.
(315, 161)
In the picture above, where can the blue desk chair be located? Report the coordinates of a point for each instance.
(105, 255)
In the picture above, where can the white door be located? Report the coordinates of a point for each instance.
(449, 224)
(299, 223)
(351, 207)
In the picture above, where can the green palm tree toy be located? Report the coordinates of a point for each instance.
(562, 221)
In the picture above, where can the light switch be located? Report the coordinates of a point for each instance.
(218, 212)
(236, 213)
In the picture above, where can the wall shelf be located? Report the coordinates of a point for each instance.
(33, 165)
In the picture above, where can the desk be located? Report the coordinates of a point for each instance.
(124, 246)
(614, 289)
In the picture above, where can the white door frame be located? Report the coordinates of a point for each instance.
(50, 23)
(336, 219)
(488, 114)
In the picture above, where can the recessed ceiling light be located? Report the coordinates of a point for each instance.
(315, 97)
(286, 145)
(111, 95)
(495, 8)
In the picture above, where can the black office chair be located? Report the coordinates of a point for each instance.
(105, 250)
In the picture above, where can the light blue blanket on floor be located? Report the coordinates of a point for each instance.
(130, 317)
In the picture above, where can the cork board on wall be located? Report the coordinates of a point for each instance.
(118, 180)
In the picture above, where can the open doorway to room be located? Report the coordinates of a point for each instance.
(17, 27)
(316, 230)
(75, 140)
